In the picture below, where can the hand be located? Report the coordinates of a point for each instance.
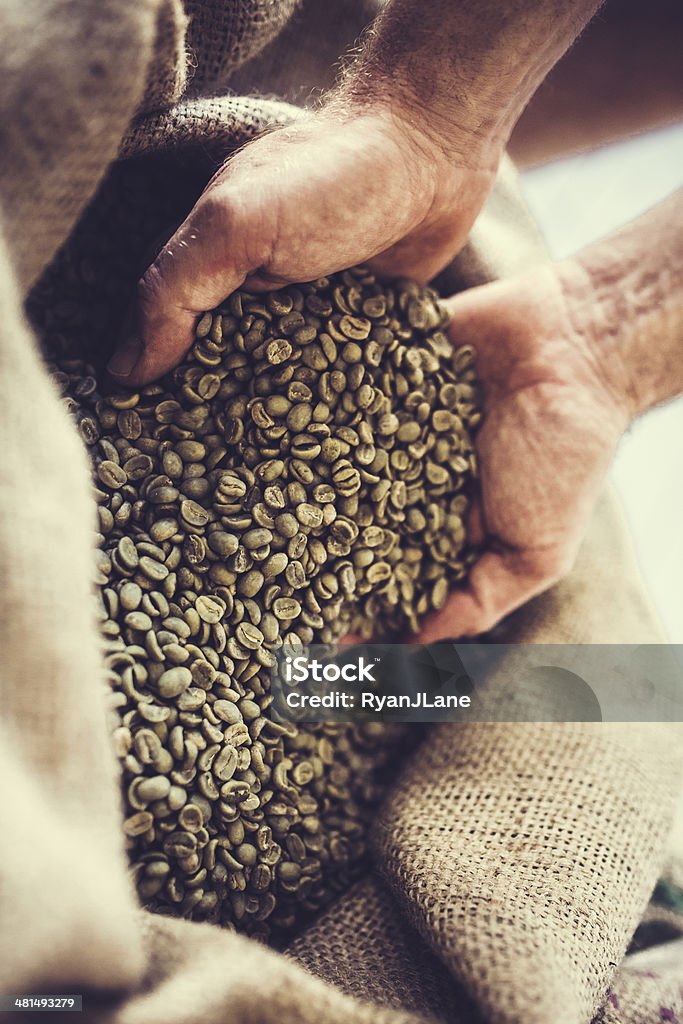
(551, 424)
(337, 189)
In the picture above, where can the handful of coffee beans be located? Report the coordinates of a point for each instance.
(304, 473)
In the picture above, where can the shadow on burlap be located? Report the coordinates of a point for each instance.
(513, 861)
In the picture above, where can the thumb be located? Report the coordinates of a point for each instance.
(193, 272)
(497, 585)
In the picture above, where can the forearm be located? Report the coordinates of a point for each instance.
(629, 306)
(465, 68)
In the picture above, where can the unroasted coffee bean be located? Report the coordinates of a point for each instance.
(138, 824)
(155, 788)
(209, 609)
(256, 538)
(310, 516)
(193, 513)
(305, 472)
(174, 681)
(275, 565)
(130, 596)
(286, 608)
(250, 584)
(152, 569)
(223, 544)
(111, 475)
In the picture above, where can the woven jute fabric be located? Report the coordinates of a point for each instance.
(536, 859)
(73, 74)
(513, 849)
(365, 947)
(223, 36)
(512, 862)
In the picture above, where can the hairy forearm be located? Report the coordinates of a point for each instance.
(465, 68)
(628, 303)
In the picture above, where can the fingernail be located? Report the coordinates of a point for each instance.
(124, 360)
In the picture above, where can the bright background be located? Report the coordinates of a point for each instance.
(575, 201)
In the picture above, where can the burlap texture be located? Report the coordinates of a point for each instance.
(517, 858)
(223, 36)
(539, 857)
(73, 76)
(62, 844)
(305, 58)
(365, 948)
(514, 848)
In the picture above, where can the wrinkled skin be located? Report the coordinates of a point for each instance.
(302, 202)
(551, 425)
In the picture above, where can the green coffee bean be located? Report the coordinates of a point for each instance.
(286, 608)
(308, 515)
(287, 525)
(270, 470)
(307, 466)
(138, 621)
(256, 538)
(223, 544)
(130, 596)
(153, 570)
(193, 513)
(275, 565)
(174, 681)
(138, 824)
(209, 609)
(250, 583)
(111, 475)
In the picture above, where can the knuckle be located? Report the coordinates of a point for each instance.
(214, 214)
(150, 287)
(190, 267)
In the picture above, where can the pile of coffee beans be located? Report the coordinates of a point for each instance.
(304, 473)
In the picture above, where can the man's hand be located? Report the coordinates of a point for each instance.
(338, 189)
(393, 170)
(551, 424)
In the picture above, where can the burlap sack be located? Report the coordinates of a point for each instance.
(523, 854)
(519, 858)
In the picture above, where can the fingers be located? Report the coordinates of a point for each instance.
(506, 319)
(476, 318)
(497, 585)
(193, 272)
(465, 307)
